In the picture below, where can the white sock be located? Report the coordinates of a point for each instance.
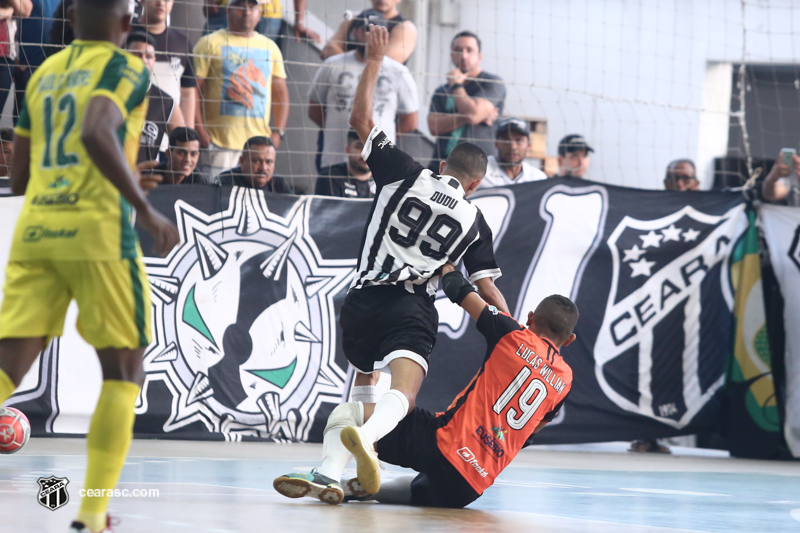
(389, 411)
(334, 455)
(364, 394)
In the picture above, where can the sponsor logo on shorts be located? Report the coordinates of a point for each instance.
(489, 439)
(493, 310)
(469, 457)
(37, 233)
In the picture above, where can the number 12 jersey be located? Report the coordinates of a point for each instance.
(72, 212)
(418, 222)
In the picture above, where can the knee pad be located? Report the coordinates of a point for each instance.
(345, 414)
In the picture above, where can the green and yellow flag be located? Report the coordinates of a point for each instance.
(753, 427)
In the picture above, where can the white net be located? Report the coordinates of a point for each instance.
(645, 82)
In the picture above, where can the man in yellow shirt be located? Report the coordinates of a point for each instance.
(242, 81)
(76, 143)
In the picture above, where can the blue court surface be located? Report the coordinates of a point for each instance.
(227, 487)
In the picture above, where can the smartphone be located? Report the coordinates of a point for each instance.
(786, 156)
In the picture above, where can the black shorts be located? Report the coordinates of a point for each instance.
(412, 444)
(377, 321)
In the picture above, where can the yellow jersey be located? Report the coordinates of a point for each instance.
(71, 211)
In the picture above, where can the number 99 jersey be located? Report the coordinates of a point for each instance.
(418, 222)
(522, 382)
(72, 212)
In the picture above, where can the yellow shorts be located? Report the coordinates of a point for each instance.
(113, 301)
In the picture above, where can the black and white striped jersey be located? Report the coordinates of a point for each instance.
(418, 222)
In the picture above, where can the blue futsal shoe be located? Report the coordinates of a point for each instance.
(313, 485)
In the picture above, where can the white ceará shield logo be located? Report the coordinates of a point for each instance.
(648, 356)
(244, 332)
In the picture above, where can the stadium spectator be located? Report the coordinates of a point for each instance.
(352, 179)
(6, 151)
(10, 11)
(402, 33)
(510, 167)
(34, 39)
(61, 32)
(681, 176)
(573, 157)
(34, 34)
(782, 184)
(256, 167)
(163, 115)
(174, 70)
(334, 87)
(270, 23)
(184, 153)
(241, 78)
(466, 107)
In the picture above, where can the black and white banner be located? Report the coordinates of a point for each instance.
(246, 341)
(782, 231)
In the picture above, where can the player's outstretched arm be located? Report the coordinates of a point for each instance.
(98, 134)
(461, 292)
(361, 115)
(20, 165)
(492, 295)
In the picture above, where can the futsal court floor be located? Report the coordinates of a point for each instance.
(227, 488)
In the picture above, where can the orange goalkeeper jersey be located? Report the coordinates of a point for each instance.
(522, 382)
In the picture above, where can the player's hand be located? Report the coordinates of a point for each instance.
(455, 76)
(164, 232)
(147, 180)
(447, 268)
(796, 161)
(377, 42)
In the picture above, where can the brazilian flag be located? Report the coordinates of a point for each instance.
(753, 422)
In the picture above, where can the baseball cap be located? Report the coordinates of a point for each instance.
(231, 2)
(573, 143)
(513, 124)
(367, 17)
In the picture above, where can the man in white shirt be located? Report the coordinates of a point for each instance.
(510, 167)
(334, 87)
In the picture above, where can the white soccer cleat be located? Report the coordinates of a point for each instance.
(367, 465)
(313, 485)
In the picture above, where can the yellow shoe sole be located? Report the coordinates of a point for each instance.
(366, 461)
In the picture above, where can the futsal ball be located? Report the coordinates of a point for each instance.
(14, 429)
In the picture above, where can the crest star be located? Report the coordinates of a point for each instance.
(671, 233)
(651, 239)
(633, 254)
(641, 268)
(690, 235)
